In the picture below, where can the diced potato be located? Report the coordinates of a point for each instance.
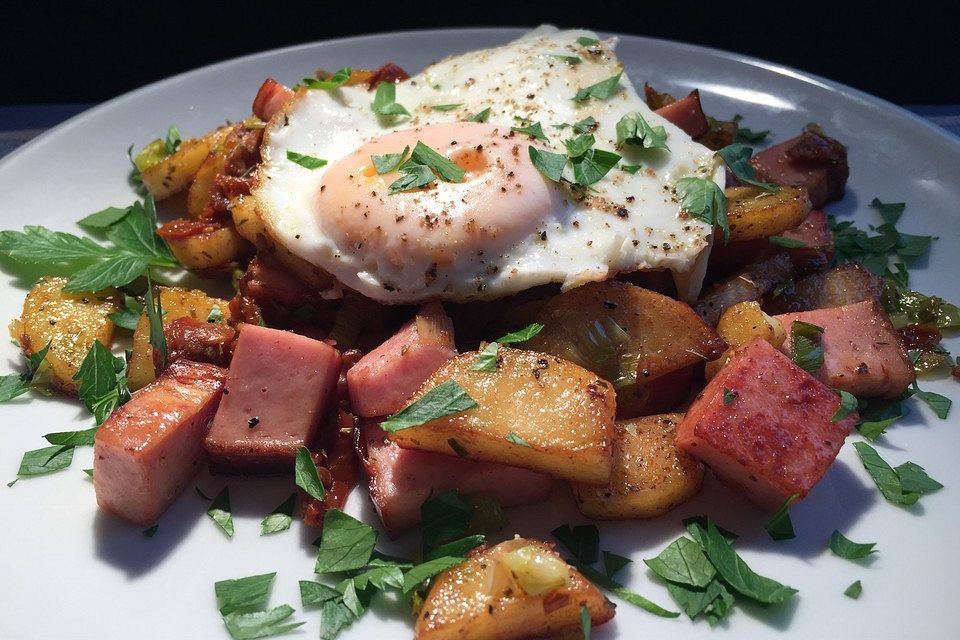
(69, 322)
(651, 475)
(209, 250)
(174, 303)
(754, 213)
(174, 173)
(564, 412)
(740, 324)
(626, 334)
(243, 210)
(520, 588)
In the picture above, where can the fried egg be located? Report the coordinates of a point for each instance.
(504, 227)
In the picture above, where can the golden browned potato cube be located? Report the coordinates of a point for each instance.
(754, 213)
(209, 250)
(520, 588)
(175, 172)
(69, 322)
(535, 411)
(651, 475)
(740, 324)
(174, 303)
(623, 332)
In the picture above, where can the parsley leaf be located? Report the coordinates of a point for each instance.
(704, 200)
(446, 169)
(841, 546)
(578, 146)
(547, 163)
(172, 141)
(219, 511)
(215, 314)
(306, 475)
(914, 478)
(788, 243)
(736, 572)
(631, 168)
(848, 404)
(737, 158)
(805, 347)
(684, 562)
(158, 339)
(582, 541)
(83, 438)
(633, 129)
(613, 563)
(103, 381)
(128, 317)
(446, 107)
(13, 385)
(779, 526)
(346, 543)
(103, 219)
(487, 359)
(389, 161)
(385, 101)
(243, 594)
(534, 130)
(590, 167)
(573, 60)
(729, 396)
(513, 438)
(521, 335)
(260, 624)
(618, 589)
(443, 517)
(890, 212)
(45, 460)
(333, 82)
(414, 176)
(305, 161)
(480, 116)
(601, 90)
(903, 485)
(445, 399)
(746, 135)
(418, 574)
(854, 590)
(940, 404)
(587, 42)
(280, 518)
(585, 622)
(313, 594)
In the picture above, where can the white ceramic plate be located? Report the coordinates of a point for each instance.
(70, 571)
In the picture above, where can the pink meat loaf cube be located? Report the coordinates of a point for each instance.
(149, 449)
(812, 161)
(764, 426)
(278, 387)
(401, 479)
(687, 114)
(383, 380)
(862, 352)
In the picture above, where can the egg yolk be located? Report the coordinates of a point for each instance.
(501, 200)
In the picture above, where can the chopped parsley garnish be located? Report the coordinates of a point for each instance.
(548, 163)
(242, 607)
(149, 532)
(521, 335)
(787, 243)
(215, 314)
(103, 381)
(940, 404)
(684, 562)
(333, 82)
(346, 543)
(305, 161)
(534, 130)
(842, 546)
(737, 158)
(280, 518)
(487, 359)
(568, 59)
(385, 101)
(704, 200)
(854, 590)
(128, 317)
(423, 167)
(158, 339)
(220, 512)
(447, 398)
(729, 396)
(389, 161)
(779, 526)
(601, 90)
(172, 141)
(805, 347)
(306, 475)
(45, 460)
(584, 41)
(749, 136)
(513, 438)
(631, 168)
(134, 247)
(634, 130)
(480, 116)
(582, 541)
(82, 438)
(446, 107)
(903, 485)
(103, 219)
(14, 385)
(585, 622)
(848, 404)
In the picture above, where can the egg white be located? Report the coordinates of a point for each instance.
(585, 240)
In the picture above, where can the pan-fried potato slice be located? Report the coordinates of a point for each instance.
(520, 588)
(754, 213)
(651, 475)
(535, 411)
(625, 334)
(740, 324)
(211, 249)
(172, 174)
(174, 303)
(69, 322)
